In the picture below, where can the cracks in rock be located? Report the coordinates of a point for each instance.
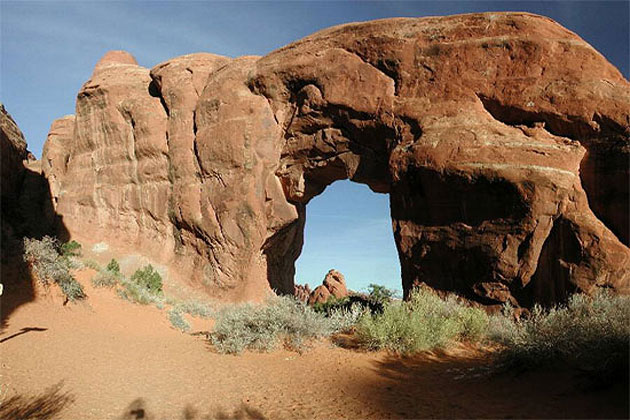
(154, 91)
(201, 172)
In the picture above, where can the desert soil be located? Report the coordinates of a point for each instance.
(107, 359)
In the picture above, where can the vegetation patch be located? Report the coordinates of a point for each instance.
(424, 322)
(177, 320)
(109, 277)
(194, 308)
(147, 278)
(51, 264)
(279, 321)
(591, 334)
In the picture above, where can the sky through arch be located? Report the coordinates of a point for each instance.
(349, 228)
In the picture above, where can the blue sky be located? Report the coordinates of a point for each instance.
(48, 49)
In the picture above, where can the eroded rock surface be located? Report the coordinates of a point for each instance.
(502, 139)
(334, 285)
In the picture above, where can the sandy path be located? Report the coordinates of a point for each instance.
(120, 360)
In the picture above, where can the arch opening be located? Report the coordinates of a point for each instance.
(348, 227)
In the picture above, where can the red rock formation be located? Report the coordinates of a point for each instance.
(501, 138)
(26, 204)
(13, 153)
(334, 285)
(13, 147)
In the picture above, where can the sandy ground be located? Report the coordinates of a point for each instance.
(107, 359)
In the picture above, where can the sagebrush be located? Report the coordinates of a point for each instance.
(47, 261)
(279, 321)
(588, 333)
(424, 322)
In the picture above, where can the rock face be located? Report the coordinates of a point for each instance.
(13, 151)
(502, 139)
(26, 206)
(334, 285)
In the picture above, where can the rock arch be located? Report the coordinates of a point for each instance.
(476, 125)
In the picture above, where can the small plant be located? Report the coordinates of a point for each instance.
(104, 279)
(194, 308)
(149, 279)
(380, 294)
(50, 266)
(113, 267)
(177, 320)
(144, 287)
(92, 264)
(71, 249)
(108, 277)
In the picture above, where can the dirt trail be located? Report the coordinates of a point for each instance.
(107, 359)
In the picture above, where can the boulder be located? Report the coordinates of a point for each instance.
(502, 140)
(334, 285)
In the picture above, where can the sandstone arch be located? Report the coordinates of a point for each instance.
(476, 125)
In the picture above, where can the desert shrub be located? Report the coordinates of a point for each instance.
(331, 305)
(71, 249)
(195, 308)
(108, 277)
(149, 279)
(136, 293)
(45, 259)
(113, 267)
(346, 304)
(380, 294)
(589, 333)
(92, 264)
(280, 320)
(423, 323)
(177, 320)
(104, 278)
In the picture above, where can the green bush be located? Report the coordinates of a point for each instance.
(139, 294)
(280, 320)
(423, 323)
(71, 249)
(149, 279)
(50, 266)
(380, 294)
(108, 277)
(331, 305)
(113, 267)
(589, 333)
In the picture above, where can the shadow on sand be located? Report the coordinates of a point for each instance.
(441, 385)
(30, 215)
(47, 405)
(138, 410)
(22, 331)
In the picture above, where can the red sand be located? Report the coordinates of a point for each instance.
(114, 359)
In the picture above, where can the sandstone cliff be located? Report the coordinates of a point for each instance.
(502, 140)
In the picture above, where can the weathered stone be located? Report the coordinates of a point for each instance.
(13, 150)
(334, 285)
(501, 138)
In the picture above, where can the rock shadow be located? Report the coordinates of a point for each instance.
(440, 385)
(30, 214)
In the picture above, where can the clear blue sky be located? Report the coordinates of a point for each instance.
(49, 50)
